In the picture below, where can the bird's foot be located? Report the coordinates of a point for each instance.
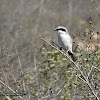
(60, 48)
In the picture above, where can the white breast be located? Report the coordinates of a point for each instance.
(65, 41)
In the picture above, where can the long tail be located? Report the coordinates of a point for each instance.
(72, 56)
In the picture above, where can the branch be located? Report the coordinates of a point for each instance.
(21, 69)
(95, 7)
(58, 49)
(11, 89)
(96, 68)
(5, 95)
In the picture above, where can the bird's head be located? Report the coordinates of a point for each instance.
(61, 29)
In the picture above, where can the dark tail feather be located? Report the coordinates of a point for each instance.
(72, 56)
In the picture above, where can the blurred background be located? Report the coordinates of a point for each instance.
(26, 20)
(23, 22)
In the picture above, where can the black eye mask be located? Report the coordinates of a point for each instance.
(61, 29)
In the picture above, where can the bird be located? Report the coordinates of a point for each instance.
(65, 40)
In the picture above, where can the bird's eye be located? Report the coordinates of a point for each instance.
(62, 29)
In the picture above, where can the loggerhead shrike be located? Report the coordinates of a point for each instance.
(65, 40)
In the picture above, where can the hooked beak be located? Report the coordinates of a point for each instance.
(55, 29)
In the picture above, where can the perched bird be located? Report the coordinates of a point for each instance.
(65, 40)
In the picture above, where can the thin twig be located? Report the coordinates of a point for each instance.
(55, 43)
(96, 68)
(10, 89)
(90, 71)
(95, 7)
(65, 54)
(20, 65)
(5, 95)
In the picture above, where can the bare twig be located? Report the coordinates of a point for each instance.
(10, 89)
(95, 7)
(96, 68)
(54, 43)
(5, 95)
(58, 49)
(20, 65)
(90, 71)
